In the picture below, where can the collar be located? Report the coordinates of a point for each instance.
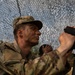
(17, 48)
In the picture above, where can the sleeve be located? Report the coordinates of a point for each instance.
(49, 64)
(71, 59)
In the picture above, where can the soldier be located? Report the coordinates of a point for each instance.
(13, 58)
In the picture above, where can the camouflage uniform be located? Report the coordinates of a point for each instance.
(69, 65)
(70, 60)
(12, 63)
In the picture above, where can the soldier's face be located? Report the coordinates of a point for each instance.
(31, 34)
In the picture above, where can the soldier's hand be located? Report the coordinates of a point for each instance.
(66, 42)
(47, 48)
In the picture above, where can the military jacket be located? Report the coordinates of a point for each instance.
(70, 60)
(12, 63)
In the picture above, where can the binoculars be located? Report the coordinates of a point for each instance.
(70, 30)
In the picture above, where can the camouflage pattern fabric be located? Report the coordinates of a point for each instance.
(12, 63)
(69, 65)
(70, 60)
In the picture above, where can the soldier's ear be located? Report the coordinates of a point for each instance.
(20, 33)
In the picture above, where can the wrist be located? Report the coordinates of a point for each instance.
(62, 50)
